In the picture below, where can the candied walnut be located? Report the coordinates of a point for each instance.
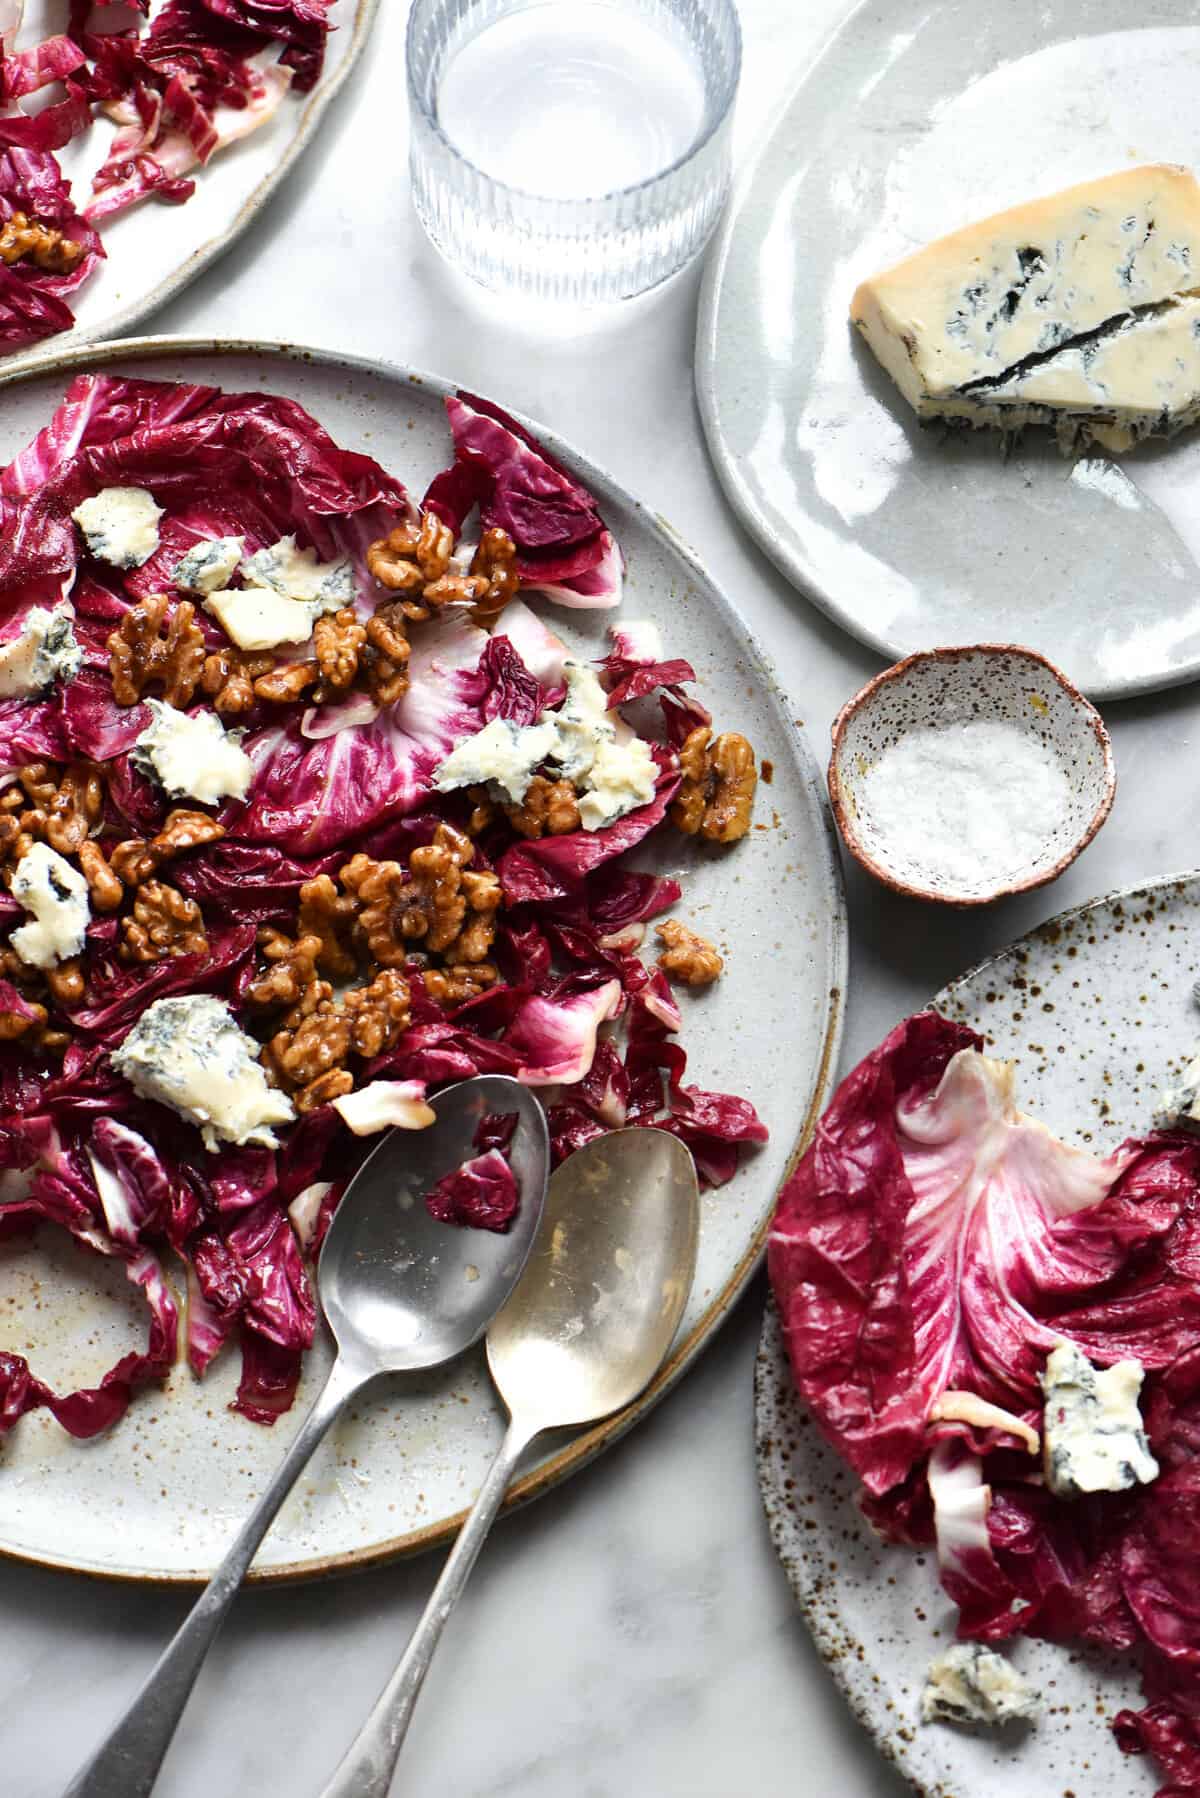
(163, 923)
(430, 907)
(287, 682)
(293, 969)
(229, 677)
(313, 1040)
(324, 1089)
(185, 829)
(388, 653)
(66, 981)
(550, 809)
(133, 861)
(483, 812)
(156, 644)
(13, 1024)
(495, 561)
(328, 916)
(25, 239)
(338, 638)
(104, 887)
(409, 558)
(379, 1013)
(63, 806)
(717, 793)
(452, 986)
(687, 957)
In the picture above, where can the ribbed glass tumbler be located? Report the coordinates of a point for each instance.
(573, 150)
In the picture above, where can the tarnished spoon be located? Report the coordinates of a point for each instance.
(400, 1292)
(587, 1327)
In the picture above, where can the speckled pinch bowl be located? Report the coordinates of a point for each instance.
(940, 689)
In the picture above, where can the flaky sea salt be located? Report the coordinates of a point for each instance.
(967, 805)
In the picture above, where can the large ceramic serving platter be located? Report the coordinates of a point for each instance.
(917, 117)
(154, 250)
(1096, 1008)
(160, 1497)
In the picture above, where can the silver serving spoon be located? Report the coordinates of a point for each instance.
(400, 1292)
(587, 1327)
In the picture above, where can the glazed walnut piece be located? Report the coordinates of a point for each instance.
(454, 986)
(136, 859)
(687, 957)
(328, 917)
(379, 1013)
(441, 907)
(550, 809)
(338, 639)
(308, 1053)
(495, 561)
(387, 655)
(162, 923)
(105, 888)
(716, 796)
(48, 803)
(229, 676)
(23, 239)
(412, 556)
(291, 970)
(157, 645)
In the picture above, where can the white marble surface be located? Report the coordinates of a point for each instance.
(632, 1633)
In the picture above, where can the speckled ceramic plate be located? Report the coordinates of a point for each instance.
(161, 1496)
(153, 251)
(919, 116)
(1096, 1009)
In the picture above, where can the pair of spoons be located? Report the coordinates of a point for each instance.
(579, 1299)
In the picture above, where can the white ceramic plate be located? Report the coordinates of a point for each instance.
(916, 117)
(154, 250)
(1096, 1009)
(161, 1496)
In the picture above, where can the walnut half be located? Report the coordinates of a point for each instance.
(687, 957)
(716, 797)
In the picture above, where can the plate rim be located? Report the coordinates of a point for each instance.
(787, 556)
(772, 1351)
(584, 1448)
(315, 104)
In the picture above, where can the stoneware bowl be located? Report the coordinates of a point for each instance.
(1006, 774)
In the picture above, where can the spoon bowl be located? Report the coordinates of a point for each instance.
(400, 1289)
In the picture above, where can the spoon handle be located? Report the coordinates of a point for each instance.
(127, 1762)
(367, 1768)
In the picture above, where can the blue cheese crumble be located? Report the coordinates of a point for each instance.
(260, 618)
(120, 525)
(609, 764)
(297, 574)
(47, 885)
(209, 564)
(974, 1684)
(191, 1055)
(45, 651)
(1179, 1105)
(1092, 1437)
(194, 757)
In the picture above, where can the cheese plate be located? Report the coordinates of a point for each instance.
(909, 124)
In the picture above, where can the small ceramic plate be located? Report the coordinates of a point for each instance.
(917, 117)
(154, 250)
(1016, 774)
(162, 1495)
(1096, 1009)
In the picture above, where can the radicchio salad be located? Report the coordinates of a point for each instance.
(305, 813)
(180, 86)
(1000, 1334)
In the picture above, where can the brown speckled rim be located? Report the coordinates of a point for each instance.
(583, 1448)
(1087, 713)
(315, 104)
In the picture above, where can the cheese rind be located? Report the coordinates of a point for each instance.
(985, 325)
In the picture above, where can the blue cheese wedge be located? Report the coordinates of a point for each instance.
(47, 885)
(209, 564)
(297, 574)
(974, 1684)
(120, 525)
(193, 757)
(44, 652)
(191, 1055)
(260, 618)
(1076, 311)
(1092, 1437)
(609, 764)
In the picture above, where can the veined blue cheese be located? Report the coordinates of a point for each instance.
(260, 618)
(1092, 1437)
(194, 757)
(1076, 310)
(209, 564)
(974, 1684)
(47, 885)
(189, 1053)
(120, 525)
(45, 651)
(607, 762)
(1180, 1103)
(297, 574)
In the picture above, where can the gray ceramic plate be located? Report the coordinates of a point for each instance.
(1096, 1009)
(153, 251)
(916, 117)
(160, 1497)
